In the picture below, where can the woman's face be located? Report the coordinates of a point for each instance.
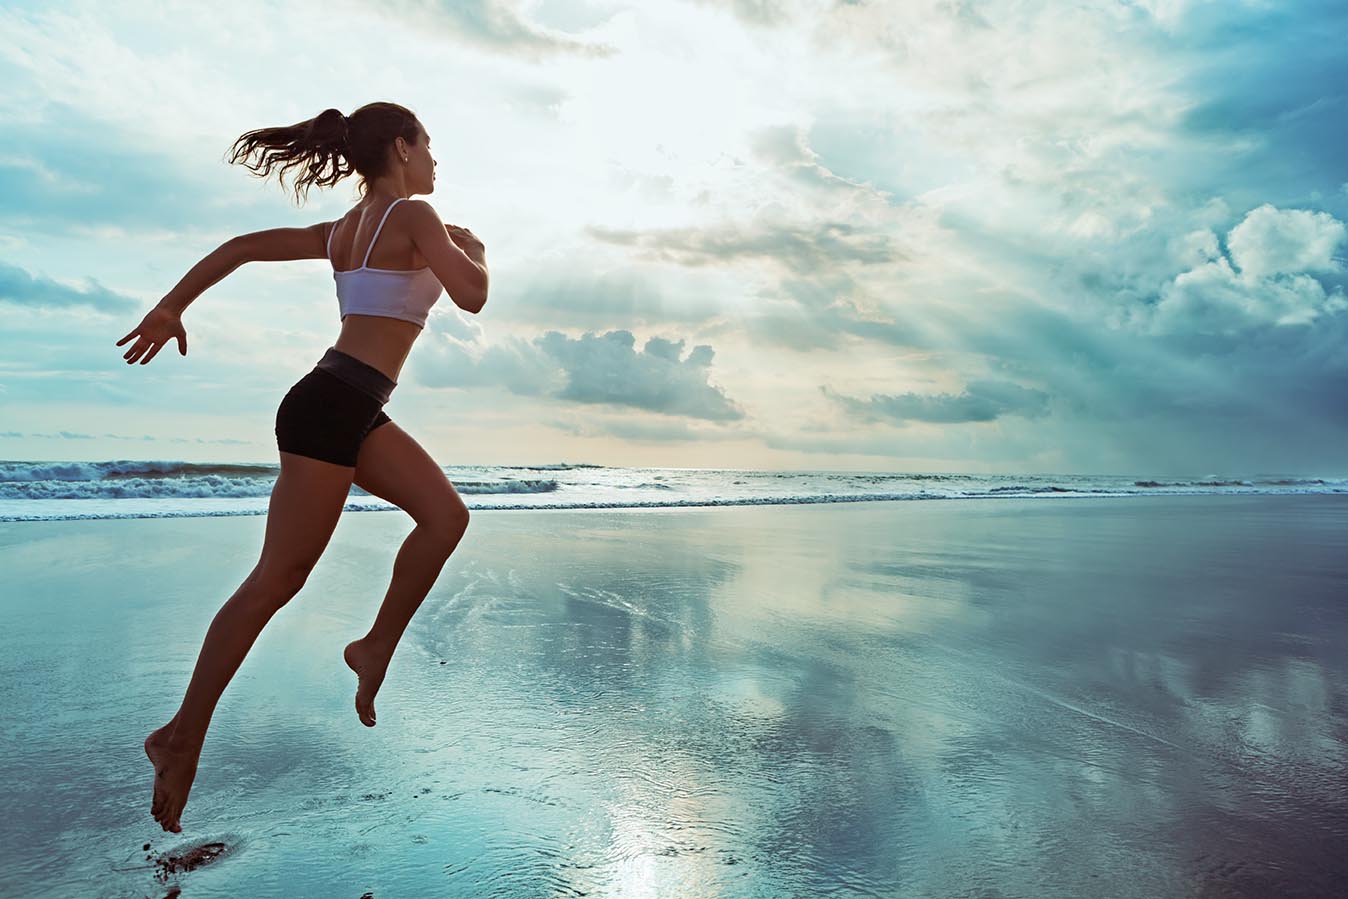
(420, 166)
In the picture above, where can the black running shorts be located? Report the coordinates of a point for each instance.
(330, 410)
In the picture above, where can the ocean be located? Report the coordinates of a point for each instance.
(155, 489)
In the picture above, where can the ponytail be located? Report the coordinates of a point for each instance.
(328, 147)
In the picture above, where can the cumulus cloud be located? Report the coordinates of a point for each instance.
(609, 369)
(1271, 241)
(593, 368)
(982, 400)
(1265, 282)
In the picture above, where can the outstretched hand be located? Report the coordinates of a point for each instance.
(156, 329)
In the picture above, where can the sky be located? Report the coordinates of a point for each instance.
(1099, 237)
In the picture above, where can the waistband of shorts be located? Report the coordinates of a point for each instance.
(360, 375)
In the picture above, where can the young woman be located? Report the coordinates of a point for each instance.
(391, 258)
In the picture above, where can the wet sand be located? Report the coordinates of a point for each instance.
(1115, 697)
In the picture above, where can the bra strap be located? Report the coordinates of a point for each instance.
(377, 230)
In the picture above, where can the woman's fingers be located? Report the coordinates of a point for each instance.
(139, 349)
(154, 331)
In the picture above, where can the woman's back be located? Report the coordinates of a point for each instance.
(394, 250)
(384, 288)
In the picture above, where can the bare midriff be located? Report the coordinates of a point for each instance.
(378, 341)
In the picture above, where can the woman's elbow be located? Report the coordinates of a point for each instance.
(480, 295)
(472, 304)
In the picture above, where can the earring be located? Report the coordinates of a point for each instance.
(404, 159)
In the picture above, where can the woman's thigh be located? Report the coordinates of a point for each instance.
(394, 467)
(306, 503)
(319, 427)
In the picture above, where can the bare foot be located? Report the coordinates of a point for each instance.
(370, 664)
(174, 771)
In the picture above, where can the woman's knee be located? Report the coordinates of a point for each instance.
(448, 528)
(277, 584)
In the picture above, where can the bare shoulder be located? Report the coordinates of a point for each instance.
(422, 211)
(422, 221)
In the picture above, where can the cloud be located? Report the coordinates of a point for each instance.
(59, 179)
(577, 291)
(491, 24)
(72, 435)
(590, 369)
(642, 431)
(1262, 78)
(981, 401)
(799, 248)
(608, 369)
(1272, 241)
(768, 13)
(18, 286)
(1265, 282)
(787, 148)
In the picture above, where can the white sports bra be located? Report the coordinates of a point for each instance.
(391, 293)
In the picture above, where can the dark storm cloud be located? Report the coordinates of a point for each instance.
(1272, 84)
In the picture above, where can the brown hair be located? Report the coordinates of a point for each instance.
(329, 146)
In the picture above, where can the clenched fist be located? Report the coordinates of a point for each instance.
(465, 239)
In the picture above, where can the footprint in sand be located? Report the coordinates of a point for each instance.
(187, 859)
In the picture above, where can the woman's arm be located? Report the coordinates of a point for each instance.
(272, 245)
(216, 265)
(164, 322)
